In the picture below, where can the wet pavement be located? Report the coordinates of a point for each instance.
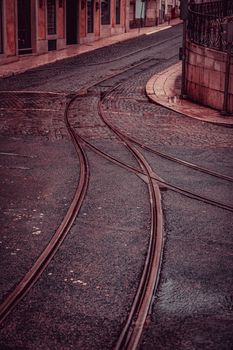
(83, 297)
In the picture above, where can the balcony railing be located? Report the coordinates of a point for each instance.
(205, 23)
(216, 8)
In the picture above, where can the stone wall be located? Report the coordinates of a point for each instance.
(205, 76)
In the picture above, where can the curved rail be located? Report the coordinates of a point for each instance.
(131, 332)
(48, 253)
(193, 166)
(182, 162)
(172, 158)
(45, 257)
(164, 184)
(42, 262)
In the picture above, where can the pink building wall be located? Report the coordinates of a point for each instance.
(205, 76)
(39, 33)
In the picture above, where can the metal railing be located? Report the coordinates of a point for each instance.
(205, 23)
(216, 8)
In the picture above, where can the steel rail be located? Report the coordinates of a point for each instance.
(182, 162)
(163, 183)
(177, 160)
(132, 330)
(159, 153)
(176, 188)
(48, 253)
(42, 262)
(130, 336)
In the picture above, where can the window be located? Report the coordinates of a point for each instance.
(105, 11)
(118, 11)
(51, 16)
(1, 29)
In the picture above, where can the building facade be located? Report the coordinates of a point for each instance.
(39, 26)
(209, 63)
(152, 12)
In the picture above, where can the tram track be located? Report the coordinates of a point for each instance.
(130, 335)
(166, 156)
(133, 327)
(48, 253)
(50, 250)
(162, 183)
(130, 138)
(41, 263)
(45, 257)
(169, 157)
(154, 252)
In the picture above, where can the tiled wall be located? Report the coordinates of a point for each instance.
(205, 76)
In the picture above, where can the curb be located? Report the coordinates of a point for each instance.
(161, 89)
(13, 72)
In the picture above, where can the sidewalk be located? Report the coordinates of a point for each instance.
(24, 63)
(164, 88)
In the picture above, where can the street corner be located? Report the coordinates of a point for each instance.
(165, 89)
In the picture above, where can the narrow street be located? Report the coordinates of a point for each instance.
(83, 128)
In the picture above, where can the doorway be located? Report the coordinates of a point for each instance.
(1, 28)
(24, 27)
(90, 16)
(71, 22)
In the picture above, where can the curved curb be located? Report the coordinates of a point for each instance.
(161, 89)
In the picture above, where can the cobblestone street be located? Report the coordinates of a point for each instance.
(84, 293)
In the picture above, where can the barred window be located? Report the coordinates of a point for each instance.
(1, 29)
(118, 11)
(105, 11)
(51, 16)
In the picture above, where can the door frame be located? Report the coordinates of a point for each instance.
(2, 27)
(94, 14)
(33, 25)
(77, 23)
